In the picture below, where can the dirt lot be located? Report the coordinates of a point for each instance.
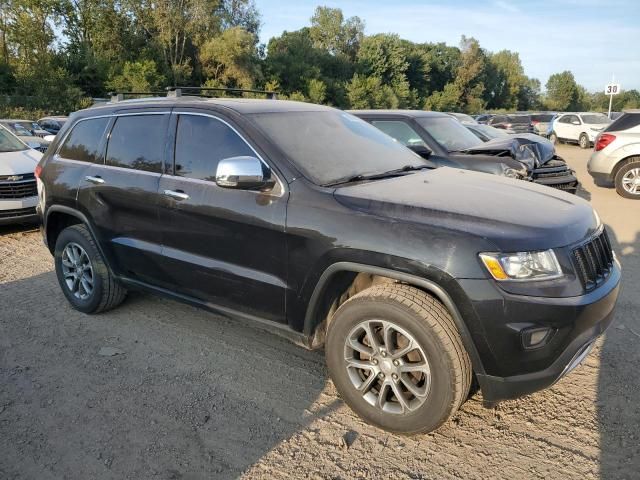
(191, 395)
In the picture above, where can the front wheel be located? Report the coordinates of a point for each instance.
(584, 141)
(627, 179)
(397, 359)
(83, 274)
(553, 138)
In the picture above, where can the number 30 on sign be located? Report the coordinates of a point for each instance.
(612, 89)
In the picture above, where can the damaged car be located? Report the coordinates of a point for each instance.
(448, 143)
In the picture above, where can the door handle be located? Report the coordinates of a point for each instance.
(94, 180)
(176, 195)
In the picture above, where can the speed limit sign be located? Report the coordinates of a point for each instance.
(612, 89)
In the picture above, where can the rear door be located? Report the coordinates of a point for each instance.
(222, 246)
(120, 195)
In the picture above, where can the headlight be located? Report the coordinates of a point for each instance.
(522, 265)
(513, 173)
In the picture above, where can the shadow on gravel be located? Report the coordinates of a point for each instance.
(18, 228)
(619, 378)
(153, 389)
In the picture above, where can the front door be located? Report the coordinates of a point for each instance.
(225, 247)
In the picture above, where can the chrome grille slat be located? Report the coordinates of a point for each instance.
(594, 260)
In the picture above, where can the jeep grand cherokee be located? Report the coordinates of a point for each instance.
(308, 220)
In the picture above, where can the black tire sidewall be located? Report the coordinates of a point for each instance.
(437, 407)
(618, 180)
(553, 138)
(72, 235)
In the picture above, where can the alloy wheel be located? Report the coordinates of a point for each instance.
(77, 271)
(631, 181)
(387, 366)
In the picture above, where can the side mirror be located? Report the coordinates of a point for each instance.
(245, 173)
(422, 150)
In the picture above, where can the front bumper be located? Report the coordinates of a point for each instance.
(512, 371)
(21, 210)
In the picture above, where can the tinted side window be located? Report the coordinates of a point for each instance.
(626, 121)
(201, 142)
(137, 142)
(399, 130)
(84, 141)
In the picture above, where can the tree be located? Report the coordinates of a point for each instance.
(369, 92)
(331, 32)
(470, 75)
(142, 76)
(316, 91)
(529, 95)
(230, 58)
(505, 80)
(562, 92)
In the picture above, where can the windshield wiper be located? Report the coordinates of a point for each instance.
(378, 176)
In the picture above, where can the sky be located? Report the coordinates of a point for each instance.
(594, 39)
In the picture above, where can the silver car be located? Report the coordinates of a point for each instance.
(616, 155)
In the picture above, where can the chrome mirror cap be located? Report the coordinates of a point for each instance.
(245, 172)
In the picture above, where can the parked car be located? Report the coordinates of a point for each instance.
(447, 143)
(52, 124)
(616, 155)
(615, 115)
(581, 128)
(463, 118)
(540, 122)
(515, 122)
(323, 229)
(28, 131)
(18, 194)
(483, 118)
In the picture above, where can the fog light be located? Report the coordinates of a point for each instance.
(536, 337)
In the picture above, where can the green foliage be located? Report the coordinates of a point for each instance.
(140, 76)
(316, 91)
(562, 92)
(331, 32)
(370, 92)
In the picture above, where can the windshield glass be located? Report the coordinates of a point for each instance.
(450, 133)
(518, 119)
(332, 146)
(596, 118)
(9, 143)
(490, 131)
(542, 117)
(19, 129)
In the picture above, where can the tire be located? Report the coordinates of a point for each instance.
(553, 138)
(627, 179)
(405, 312)
(93, 289)
(583, 141)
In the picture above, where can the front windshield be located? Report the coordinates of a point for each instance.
(449, 133)
(9, 143)
(595, 119)
(490, 131)
(332, 146)
(20, 129)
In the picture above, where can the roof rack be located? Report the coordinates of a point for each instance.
(176, 91)
(119, 96)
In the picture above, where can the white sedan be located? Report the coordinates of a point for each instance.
(581, 128)
(18, 192)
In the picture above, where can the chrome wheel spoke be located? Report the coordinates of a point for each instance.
(360, 364)
(405, 350)
(77, 271)
(360, 347)
(368, 382)
(382, 395)
(402, 401)
(413, 388)
(370, 335)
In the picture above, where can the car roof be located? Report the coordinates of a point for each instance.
(405, 113)
(58, 117)
(240, 105)
(15, 120)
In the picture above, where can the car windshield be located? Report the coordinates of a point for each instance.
(463, 117)
(489, 131)
(542, 117)
(9, 143)
(449, 133)
(20, 129)
(331, 146)
(519, 119)
(596, 118)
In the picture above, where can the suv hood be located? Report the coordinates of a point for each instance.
(513, 214)
(525, 148)
(18, 163)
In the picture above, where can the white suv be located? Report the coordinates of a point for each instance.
(616, 156)
(18, 192)
(581, 128)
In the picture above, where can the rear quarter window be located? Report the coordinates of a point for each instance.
(83, 142)
(625, 122)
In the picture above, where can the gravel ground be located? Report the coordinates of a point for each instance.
(157, 389)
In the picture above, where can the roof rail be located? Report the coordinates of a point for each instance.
(119, 96)
(176, 91)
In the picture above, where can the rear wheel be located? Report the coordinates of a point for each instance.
(583, 141)
(396, 358)
(627, 179)
(82, 273)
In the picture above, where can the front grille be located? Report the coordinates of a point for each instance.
(594, 261)
(19, 189)
(555, 173)
(18, 212)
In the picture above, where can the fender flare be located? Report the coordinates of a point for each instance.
(417, 281)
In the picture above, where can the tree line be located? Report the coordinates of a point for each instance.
(56, 55)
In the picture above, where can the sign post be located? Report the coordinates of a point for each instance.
(611, 89)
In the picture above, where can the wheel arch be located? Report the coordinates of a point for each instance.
(338, 276)
(624, 161)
